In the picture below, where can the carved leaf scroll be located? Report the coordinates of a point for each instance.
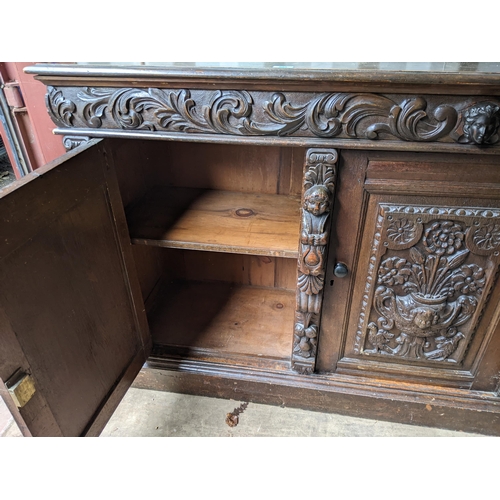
(429, 282)
(61, 109)
(319, 188)
(409, 122)
(245, 113)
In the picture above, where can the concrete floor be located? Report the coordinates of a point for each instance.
(147, 413)
(8, 427)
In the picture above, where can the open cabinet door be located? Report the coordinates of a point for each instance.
(71, 311)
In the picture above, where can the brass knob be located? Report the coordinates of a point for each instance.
(340, 270)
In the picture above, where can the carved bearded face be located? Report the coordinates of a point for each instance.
(316, 200)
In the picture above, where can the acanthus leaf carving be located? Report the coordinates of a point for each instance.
(127, 107)
(61, 109)
(408, 122)
(249, 113)
(181, 115)
(228, 112)
(97, 100)
(323, 116)
(285, 118)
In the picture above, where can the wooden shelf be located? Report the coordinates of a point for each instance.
(206, 318)
(217, 221)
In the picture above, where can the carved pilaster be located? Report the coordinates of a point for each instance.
(317, 201)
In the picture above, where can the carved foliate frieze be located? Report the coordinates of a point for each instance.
(318, 189)
(256, 113)
(429, 276)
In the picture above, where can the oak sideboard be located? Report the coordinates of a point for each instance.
(322, 239)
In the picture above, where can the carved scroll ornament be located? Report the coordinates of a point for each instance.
(300, 114)
(319, 187)
(430, 284)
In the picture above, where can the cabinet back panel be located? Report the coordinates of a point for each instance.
(239, 269)
(265, 169)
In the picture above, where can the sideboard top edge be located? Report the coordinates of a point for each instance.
(374, 77)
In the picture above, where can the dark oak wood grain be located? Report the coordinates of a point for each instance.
(66, 291)
(371, 268)
(466, 209)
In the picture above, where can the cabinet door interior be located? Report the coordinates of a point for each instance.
(70, 305)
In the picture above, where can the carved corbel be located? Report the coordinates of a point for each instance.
(317, 201)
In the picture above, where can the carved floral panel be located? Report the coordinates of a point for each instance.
(430, 273)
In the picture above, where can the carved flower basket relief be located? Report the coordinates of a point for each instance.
(429, 292)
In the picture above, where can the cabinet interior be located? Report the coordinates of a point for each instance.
(215, 240)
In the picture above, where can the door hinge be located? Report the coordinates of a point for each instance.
(21, 387)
